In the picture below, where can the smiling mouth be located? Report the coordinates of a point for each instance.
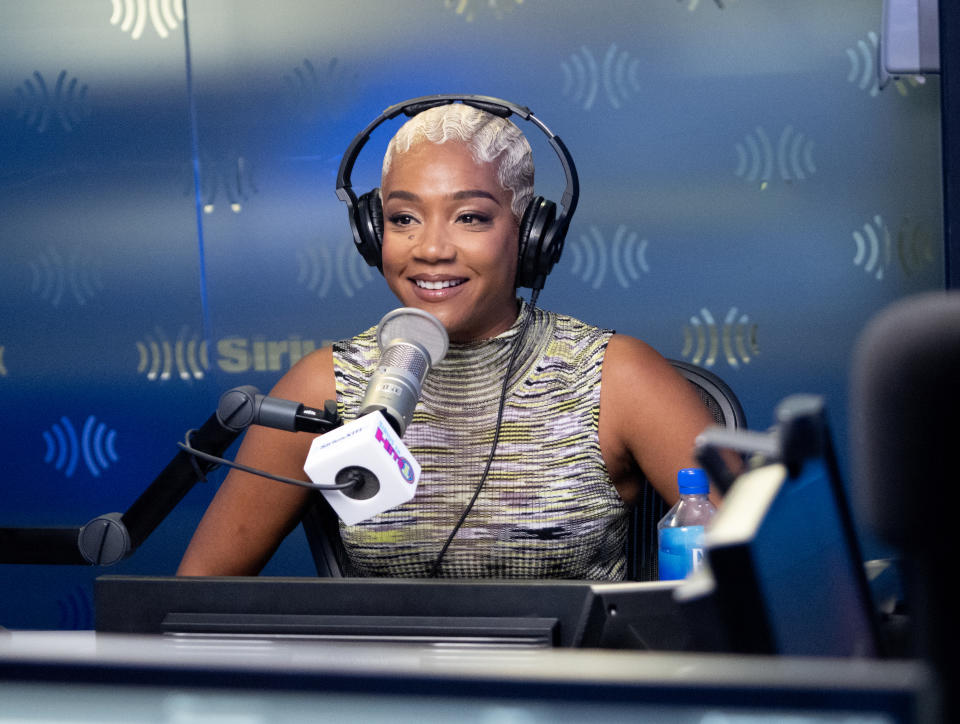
(423, 284)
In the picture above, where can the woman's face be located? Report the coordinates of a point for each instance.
(450, 239)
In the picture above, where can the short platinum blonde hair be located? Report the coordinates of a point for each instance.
(489, 138)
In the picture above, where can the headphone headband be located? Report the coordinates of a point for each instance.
(556, 229)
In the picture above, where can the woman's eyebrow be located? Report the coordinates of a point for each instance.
(456, 196)
(474, 193)
(403, 195)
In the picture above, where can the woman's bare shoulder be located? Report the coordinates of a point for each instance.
(648, 411)
(629, 360)
(310, 381)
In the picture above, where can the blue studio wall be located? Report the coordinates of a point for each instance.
(750, 197)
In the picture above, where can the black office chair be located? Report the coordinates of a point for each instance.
(650, 507)
(322, 529)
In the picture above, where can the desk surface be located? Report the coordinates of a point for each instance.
(59, 674)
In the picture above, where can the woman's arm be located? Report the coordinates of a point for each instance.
(649, 418)
(250, 516)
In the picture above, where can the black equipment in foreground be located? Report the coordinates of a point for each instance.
(529, 613)
(786, 573)
(904, 395)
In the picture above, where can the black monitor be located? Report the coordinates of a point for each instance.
(788, 575)
(534, 613)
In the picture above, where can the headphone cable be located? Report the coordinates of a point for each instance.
(496, 434)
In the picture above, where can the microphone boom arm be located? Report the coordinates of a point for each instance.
(109, 538)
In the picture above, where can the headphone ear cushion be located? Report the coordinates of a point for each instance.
(369, 223)
(535, 261)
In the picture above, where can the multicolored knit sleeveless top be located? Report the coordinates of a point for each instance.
(548, 508)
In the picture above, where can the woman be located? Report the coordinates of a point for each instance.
(570, 453)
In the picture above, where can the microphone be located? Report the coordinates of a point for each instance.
(368, 450)
(411, 341)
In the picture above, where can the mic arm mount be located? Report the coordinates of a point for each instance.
(109, 538)
(800, 432)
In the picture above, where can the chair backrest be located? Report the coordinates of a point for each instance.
(726, 410)
(321, 526)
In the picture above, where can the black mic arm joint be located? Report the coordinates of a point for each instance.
(311, 419)
(243, 406)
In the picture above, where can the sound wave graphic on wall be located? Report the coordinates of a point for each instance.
(863, 64)
(132, 16)
(704, 339)
(692, 5)
(793, 157)
(626, 257)
(76, 610)
(94, 443)
(318, 267)
(916, 247)
(52, 277)
(616, 75)
(38, 104)
(3, 369)
(873, 247)
(319, 90)
(305, 79)
(159, 356)
(468, 9)
(231, 179)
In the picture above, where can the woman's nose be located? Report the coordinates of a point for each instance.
(434, 244)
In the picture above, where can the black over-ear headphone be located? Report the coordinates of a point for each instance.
(542, 230)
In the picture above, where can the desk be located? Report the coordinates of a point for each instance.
(87, 677)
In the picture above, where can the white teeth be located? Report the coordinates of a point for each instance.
(438, 285)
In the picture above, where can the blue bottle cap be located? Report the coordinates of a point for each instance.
(693, 481)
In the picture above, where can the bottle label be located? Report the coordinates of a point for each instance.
(681, 551)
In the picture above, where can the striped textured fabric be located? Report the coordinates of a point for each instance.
(548, 508)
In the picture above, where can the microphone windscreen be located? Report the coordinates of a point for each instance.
(415, 325)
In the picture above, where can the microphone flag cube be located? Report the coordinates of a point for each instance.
(370, 450)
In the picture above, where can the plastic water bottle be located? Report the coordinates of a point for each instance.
(680, 532)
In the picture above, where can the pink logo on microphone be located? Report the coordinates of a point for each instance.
(406, 469)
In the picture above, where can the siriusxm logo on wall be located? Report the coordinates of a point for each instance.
(187, 357)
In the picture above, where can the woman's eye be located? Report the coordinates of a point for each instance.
(401, 219)
(472, 219)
